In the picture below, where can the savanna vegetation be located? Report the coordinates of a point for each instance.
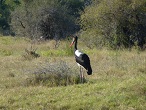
(111, 23)
(37, 66)
(51, 80)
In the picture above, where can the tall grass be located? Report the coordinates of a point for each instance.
(51, 81)
(62, 50)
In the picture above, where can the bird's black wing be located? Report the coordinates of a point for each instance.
(87, 64)
(79, 59)
(84, 61)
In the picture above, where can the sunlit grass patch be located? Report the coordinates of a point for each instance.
(12, 40)
(12, 45)
(4, 52)
(6, 40)
(65, 51)
(56, 53)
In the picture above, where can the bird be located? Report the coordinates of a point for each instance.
(82, 59)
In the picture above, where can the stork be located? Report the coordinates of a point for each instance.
(82, 59)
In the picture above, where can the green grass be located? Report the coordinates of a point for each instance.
(118, 81)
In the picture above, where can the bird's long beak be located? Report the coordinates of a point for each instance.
(72, 42)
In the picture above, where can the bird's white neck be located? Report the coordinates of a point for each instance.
(78, 53)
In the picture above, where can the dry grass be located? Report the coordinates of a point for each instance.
(118, 81)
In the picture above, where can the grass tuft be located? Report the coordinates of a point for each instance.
(4, 52)
(30, 54)
(54, 74)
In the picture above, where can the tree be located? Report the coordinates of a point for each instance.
(25, 19)
(115, 22)
(50, 19)
(4, 16)
(75, 6)
(56, 22)
(5, 7)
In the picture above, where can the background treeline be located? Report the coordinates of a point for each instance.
(6, 6)
(111, 23)
(115, 23)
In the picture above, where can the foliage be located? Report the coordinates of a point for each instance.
(111, 23)
(5, 7)
(56, 22)
(52, 74)
(51, 19)
(75, 6)
(4, 12)
(115, 23)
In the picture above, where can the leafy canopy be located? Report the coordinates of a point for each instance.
(115, 22)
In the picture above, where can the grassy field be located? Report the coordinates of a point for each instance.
(118, 81)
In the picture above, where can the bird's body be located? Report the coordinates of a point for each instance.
(81, 58)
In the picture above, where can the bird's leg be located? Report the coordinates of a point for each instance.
(83, 76)
(80, 74)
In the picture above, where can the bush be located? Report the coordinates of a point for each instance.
(54, 74)
(49, 19)
(115, 23)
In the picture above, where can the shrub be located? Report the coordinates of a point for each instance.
(54, 74)
(114, 23)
